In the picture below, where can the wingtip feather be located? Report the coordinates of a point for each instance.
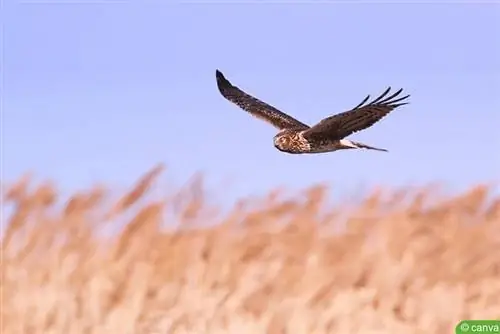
(222, 82)
(219, 75)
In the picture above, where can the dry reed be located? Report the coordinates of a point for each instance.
(402, 264)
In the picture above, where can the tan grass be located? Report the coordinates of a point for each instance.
(277, 266)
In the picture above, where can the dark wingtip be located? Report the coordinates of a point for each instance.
(393, 99)
(221, 80)
(400, 100)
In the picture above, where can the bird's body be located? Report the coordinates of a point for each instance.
(293, 141)
(328, 135)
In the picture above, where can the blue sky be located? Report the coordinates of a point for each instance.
(101, 91)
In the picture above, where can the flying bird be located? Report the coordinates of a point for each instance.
(328, 135)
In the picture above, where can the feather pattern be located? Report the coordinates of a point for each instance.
(256, 107)
(359, 118)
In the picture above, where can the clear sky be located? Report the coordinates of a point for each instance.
(100, 91)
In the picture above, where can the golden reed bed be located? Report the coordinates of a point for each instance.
(406, 262)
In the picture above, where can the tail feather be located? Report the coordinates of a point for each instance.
(353, 144)
(361, 145)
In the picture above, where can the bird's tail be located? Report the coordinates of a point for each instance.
(354, 144)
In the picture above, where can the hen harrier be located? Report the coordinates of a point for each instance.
(326, 136)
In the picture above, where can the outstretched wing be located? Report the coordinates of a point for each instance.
(255, 106)
(359, 118)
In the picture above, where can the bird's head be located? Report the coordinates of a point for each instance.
(282, 141)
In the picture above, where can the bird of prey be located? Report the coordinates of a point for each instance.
(328, 135)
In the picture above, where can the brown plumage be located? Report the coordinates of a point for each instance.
(326, 136)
